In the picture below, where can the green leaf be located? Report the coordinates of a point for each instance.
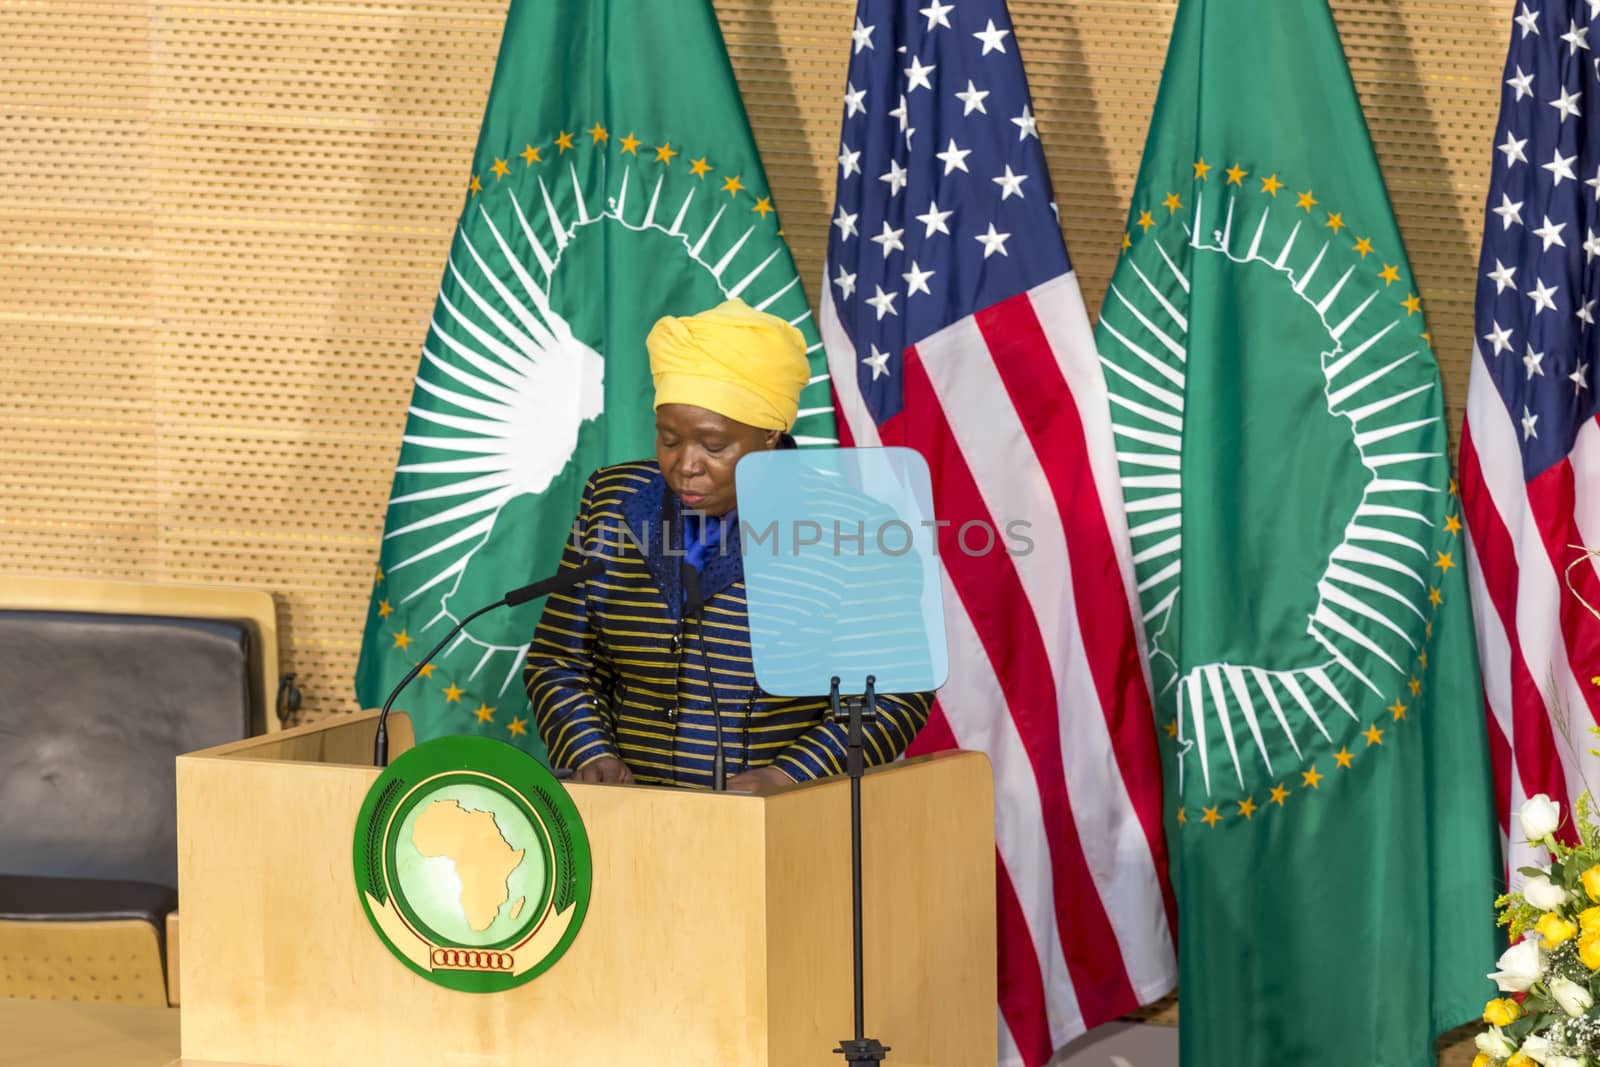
(1570, 876)
(1522, 1027)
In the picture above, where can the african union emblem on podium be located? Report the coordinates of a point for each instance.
(630, 673)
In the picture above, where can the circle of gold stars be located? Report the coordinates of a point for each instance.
(1379, 732)
(1270, 185)
(600, 138)
(536, 155)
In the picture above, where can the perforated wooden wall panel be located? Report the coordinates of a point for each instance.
(223, 225)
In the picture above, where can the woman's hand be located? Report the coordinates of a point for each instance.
(605, 769)
(759, 780)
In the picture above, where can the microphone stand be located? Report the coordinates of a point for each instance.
(860, 1049)
(719, 759)
(694, 606)
(559, 582)
(380, 741)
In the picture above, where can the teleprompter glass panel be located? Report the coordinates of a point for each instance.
(841, 570)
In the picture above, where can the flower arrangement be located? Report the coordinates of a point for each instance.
(1552, 969)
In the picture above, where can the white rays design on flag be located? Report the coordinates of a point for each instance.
(1380, 562)
(504, 384)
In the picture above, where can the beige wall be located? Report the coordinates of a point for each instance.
(222, 225)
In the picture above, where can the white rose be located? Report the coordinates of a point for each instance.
(1542, 893)
(1521, 965)
(1573, 998)
(1536, 1048)
(1540, 816)
(1562, 1061)
(1496, 1045)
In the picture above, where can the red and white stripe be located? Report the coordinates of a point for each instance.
(1538, 643)
(1047, 671)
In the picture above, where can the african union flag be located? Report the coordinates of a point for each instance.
(615, 181)
(1298, 547)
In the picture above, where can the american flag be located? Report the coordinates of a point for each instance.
(1530, 447)
(954, 325)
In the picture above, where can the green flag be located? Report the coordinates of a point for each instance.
(615, 181)
(1298, 549)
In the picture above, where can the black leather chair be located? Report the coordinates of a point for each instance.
(95, 706)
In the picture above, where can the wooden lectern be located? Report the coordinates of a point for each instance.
(718, 931)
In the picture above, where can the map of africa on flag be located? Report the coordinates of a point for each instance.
(615, 181)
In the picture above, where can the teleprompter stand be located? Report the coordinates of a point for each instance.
(860, 1049)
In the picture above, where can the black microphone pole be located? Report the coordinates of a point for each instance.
(694, 602)
(556, 583)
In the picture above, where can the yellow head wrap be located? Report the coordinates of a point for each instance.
(739, 362)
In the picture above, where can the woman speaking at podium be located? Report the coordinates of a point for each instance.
(623, 670)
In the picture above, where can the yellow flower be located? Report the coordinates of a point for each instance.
(1502, 1012)
(1482, 1060)
(1591, 883)
(1589, 920)
(1553, 929)
(1519, 1060)
(1589, 951)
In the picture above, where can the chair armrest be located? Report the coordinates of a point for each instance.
(24, 898)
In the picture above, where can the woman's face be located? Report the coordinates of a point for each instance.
(697, 450)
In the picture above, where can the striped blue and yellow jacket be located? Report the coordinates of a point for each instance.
(615, 670)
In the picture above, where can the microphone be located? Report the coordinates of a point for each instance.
(559, 582)
(556, 583)
(694, 601)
